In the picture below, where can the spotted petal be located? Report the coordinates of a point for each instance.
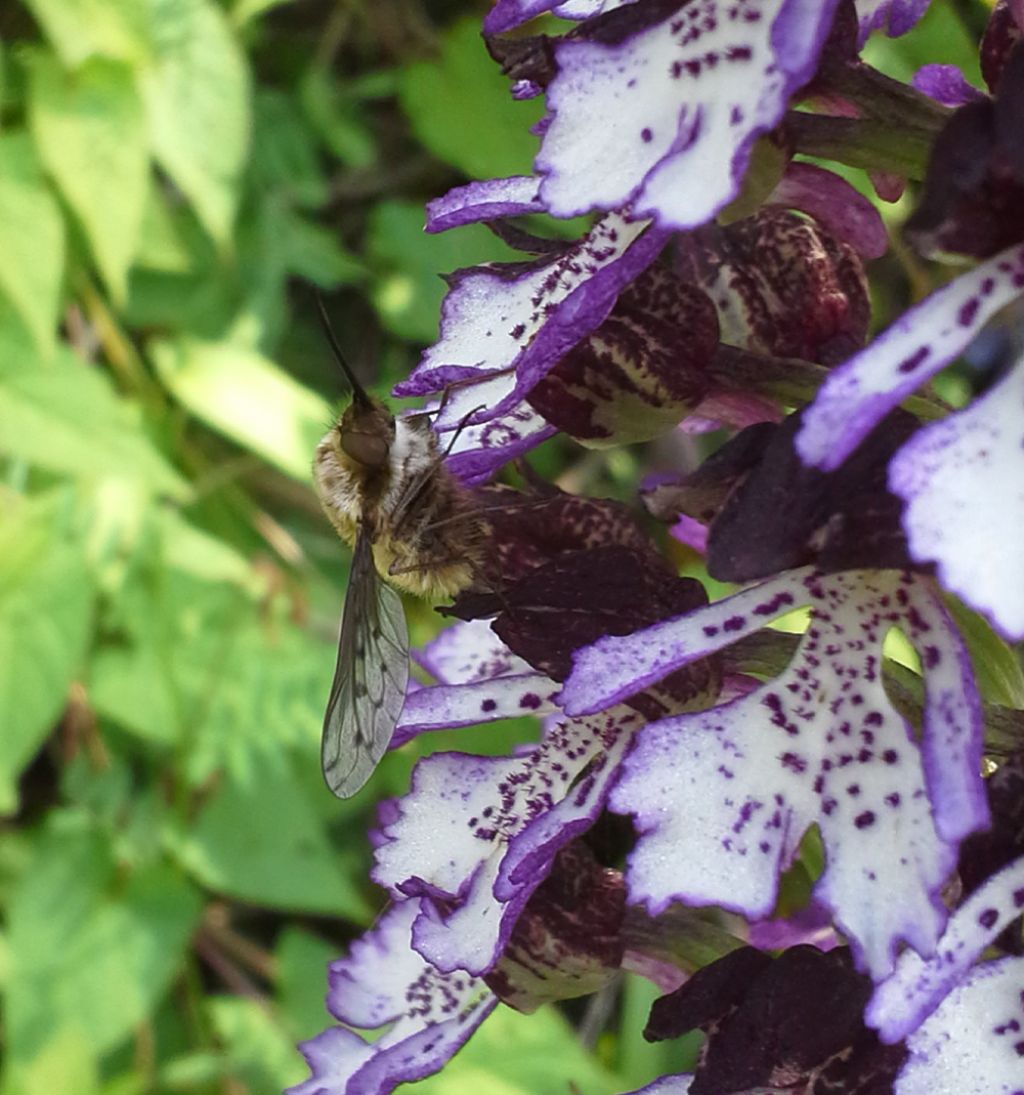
(503, 327)
(722, 797)
(445, 707)
(468, 651)
(476, 835)
(507, 14)
(480, 449)
(664, 116)
(963, 475)
(481, 201)
(974, 1043)
(482, 681)
(384, 981)
(925, 339)
(918, 985)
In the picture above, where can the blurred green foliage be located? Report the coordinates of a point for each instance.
(174, 176)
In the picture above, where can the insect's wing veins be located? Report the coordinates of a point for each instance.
(369, 680)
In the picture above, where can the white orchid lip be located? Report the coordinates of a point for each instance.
(722, 797)
(384, 982)
(679, 103)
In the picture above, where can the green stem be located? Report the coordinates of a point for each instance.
(862, 142)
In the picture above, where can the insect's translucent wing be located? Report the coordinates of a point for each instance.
(369, 680)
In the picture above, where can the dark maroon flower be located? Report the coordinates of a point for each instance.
(792, 1022)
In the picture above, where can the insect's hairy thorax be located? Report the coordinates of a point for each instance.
(410, 505)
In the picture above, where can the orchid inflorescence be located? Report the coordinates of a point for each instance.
(723, 285)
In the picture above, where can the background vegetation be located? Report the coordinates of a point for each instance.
(174, 176)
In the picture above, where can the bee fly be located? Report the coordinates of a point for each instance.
(383, 484)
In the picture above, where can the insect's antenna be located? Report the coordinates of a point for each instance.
(358, 391)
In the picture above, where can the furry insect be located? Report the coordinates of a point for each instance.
(384, 486)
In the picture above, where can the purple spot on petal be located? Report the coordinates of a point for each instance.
(794, 762)
(916, 359)
(988, 918)
(968, 311)
(530, 702)
(864, 820)
(734, 623)
(488, 705)
(646, 135)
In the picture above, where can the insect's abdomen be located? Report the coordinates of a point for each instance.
(413, 572)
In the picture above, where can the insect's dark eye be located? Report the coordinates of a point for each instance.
(368, 449)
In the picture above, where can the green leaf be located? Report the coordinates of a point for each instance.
(161, 246)
(248, 398)
(285, 154)
(275, 244)
(131, 686)
(460, 107)
(515, 1054)
(89, 126)
(46, 599)
(339, 116)
(313, 253)
(262, 1055)
(65, 416)
(79, 29)
(245, 11)
(197, 95)
(198, 553)
(997, 671)
(638, 1061)
(260, 840)
(408, 289)
(31, 240)
(66, 1063)
(302, 960)
(88, 945)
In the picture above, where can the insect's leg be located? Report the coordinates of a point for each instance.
(426, 564)
(463, 423)
(481, 511)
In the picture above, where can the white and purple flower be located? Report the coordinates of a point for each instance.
(721, 284)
